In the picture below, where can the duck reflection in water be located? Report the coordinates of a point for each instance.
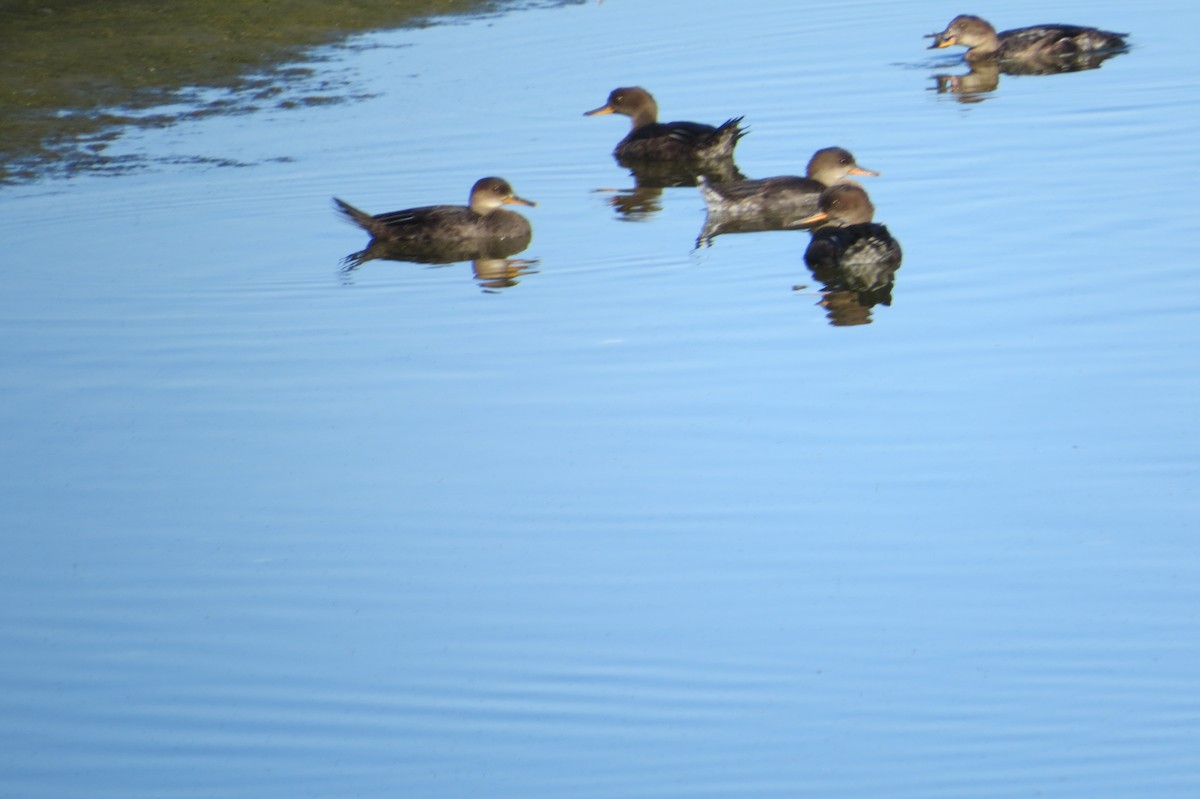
(661, 155)
(981, 80)
(776, 203)
(855, 257)
(1035, 50)
(481, 232)
(649, 180)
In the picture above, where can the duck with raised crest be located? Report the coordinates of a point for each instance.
(651, 140)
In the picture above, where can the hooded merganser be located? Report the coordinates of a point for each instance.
(849, 241)
(446, 233)
(788, 198)
(435, 226)
(652, 140)
(1033, 43)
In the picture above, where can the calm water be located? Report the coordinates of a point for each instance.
(643, 523)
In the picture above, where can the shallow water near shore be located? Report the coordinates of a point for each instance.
(630, 517)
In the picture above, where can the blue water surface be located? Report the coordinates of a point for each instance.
(642, 523)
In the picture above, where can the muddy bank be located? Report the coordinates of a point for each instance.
(75, 73)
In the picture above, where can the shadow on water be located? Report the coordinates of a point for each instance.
(75, 74)
(491, 266)
(983, 77)
(492, 274)
(644, 200)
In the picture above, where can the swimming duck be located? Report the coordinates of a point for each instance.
(785, 197)
(862, 251)
(1032, 43)
(652, 140)
(431, 228)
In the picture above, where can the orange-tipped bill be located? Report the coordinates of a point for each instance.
(859, 170)
(604, 109)
(819, 216)
(515, 200)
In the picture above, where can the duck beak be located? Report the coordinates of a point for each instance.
(858, 170)
(595, 112)
(819, 216)
(515, 200)
(943, 39)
